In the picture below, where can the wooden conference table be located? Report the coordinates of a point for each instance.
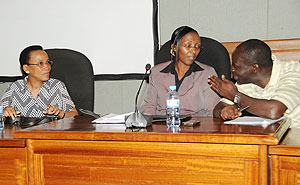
(75, 151)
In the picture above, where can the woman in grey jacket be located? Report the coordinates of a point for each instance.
(189, 76)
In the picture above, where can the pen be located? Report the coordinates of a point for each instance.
(244, 108)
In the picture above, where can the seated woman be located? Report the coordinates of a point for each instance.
(189, 76)
(37, 95)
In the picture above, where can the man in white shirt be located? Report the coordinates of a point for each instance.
(270, 87)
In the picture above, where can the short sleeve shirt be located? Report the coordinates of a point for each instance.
(52, 92)
(284, 86)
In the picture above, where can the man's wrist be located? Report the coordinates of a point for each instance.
(237, 98)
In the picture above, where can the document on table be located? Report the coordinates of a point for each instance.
(111, 122)
(112, 118)
(252, 120)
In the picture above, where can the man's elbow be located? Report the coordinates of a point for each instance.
(275, 113)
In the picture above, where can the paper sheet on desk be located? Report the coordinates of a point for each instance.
(112, 118)
(111, 122)
(252, 120)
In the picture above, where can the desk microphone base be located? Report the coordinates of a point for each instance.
(138, 119)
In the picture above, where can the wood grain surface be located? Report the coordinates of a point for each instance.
(76, 151)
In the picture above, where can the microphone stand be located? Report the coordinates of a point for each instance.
(138, 119)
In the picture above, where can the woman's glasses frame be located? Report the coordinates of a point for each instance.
(42, 64)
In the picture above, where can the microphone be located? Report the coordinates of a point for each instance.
(138, 119)
(147, 67)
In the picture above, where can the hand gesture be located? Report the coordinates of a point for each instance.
(223, 87)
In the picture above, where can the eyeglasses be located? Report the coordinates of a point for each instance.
(43, 64)
(189, 46)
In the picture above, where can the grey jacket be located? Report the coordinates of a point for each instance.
(196, 96)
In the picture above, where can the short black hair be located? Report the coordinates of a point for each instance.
(25, 55)
(257, 52)
(177, 37)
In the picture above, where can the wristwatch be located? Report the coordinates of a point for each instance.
(236, 99)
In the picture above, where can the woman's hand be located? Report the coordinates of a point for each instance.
(10, 112)
(53, 110)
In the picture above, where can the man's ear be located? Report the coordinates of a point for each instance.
(255, 68)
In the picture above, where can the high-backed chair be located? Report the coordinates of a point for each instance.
(214, 54)
(76, 71)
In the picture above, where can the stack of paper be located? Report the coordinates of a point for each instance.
(112, 118)
(252, 120)
(111, 123)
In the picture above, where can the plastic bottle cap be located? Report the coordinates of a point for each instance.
(172, 87)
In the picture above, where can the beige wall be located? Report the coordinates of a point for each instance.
(232, 20)
(3, 87)
(117, 96)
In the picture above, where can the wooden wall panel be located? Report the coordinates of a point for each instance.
(284, 49)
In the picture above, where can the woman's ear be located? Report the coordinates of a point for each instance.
(25, 68)
(173, 46)
(173, 49)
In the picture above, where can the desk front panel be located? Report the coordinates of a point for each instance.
(285, 159)
(118, 162)
(12, 157)
(13, 166)
(285, 170)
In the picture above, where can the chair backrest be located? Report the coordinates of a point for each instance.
(214, 54)
(76, 71)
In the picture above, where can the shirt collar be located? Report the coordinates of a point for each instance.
(275, 70)
(171, 68)
(45, 85)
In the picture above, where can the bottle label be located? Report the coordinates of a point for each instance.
(172, 103)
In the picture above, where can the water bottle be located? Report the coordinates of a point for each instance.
(173, 106)
(1, 118)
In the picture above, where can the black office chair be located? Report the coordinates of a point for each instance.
(76, 71)
(214, 54)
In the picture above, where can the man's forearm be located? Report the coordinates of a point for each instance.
(272, 109)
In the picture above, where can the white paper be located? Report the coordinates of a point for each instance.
(252, 120)
(111, 127)
(112, 118)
